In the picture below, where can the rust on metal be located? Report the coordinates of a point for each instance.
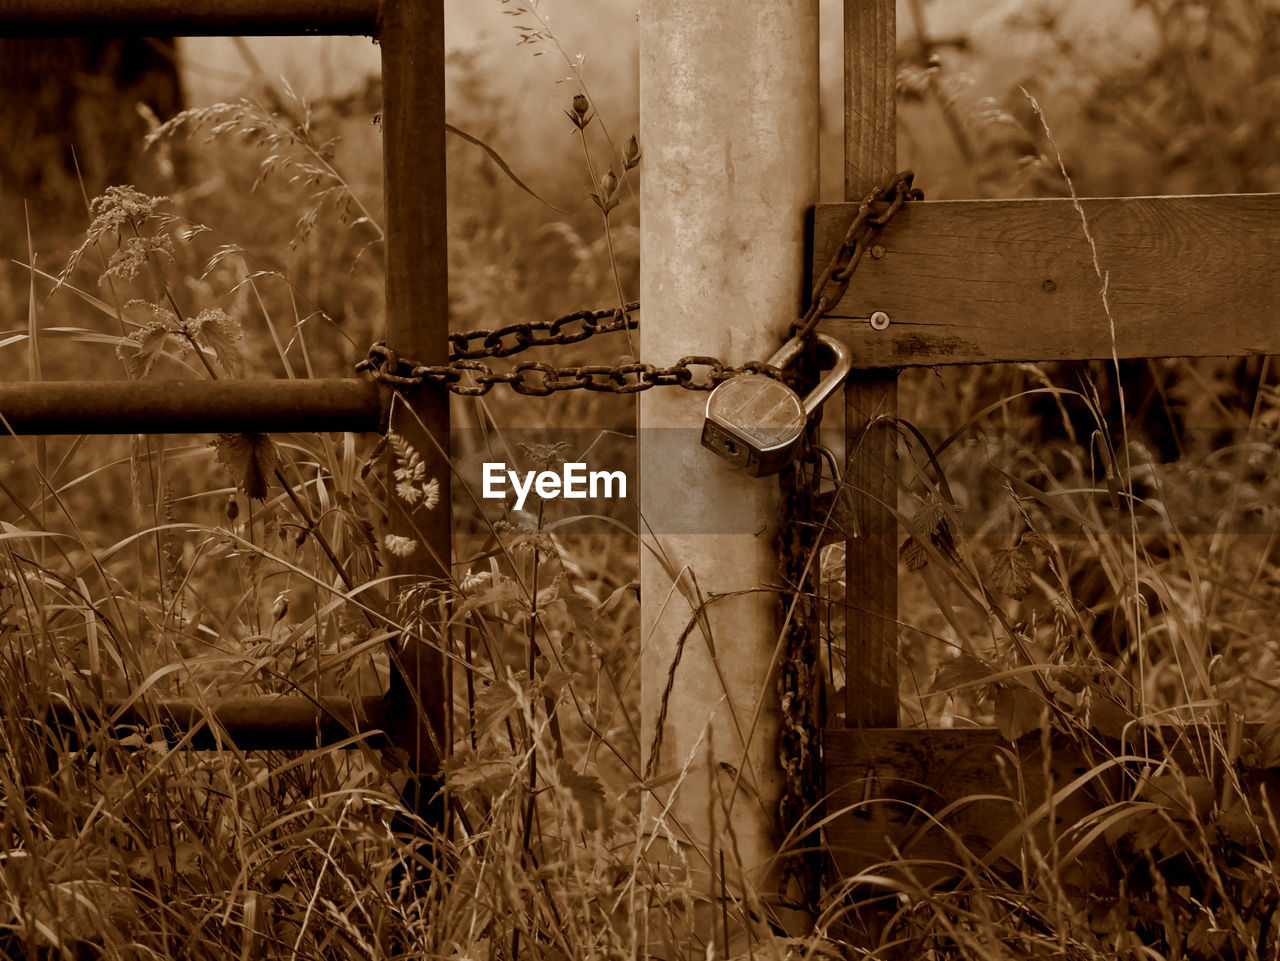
(188, 407)
(411, 34)
(186, 18)
(259, 723)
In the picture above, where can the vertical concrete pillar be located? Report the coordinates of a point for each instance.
(729, 128)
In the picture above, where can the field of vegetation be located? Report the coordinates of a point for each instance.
(1093, 551)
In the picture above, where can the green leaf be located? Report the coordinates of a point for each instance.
(251, 459)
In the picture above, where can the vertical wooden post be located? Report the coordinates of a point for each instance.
(411, 33)
(871, 564)
(729, 127)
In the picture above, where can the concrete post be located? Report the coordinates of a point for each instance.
(729, 128)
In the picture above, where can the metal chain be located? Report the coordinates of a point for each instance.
(569, 329)
(467, 348)
(798, 746)
(799, 608)
(539, 379)
(834, 280)
(799, 749)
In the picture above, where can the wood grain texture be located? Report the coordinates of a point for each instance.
(871, 555)
(883, 784)
(967, 282)
(886, 781)
(870, 78)
(871, 567)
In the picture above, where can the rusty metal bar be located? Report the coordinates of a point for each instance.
(188, 407)
(261, 723)
(411, 34)
(186, 18)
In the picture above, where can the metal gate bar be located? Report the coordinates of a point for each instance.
(188, 407)
(186, 18)
(289, 723)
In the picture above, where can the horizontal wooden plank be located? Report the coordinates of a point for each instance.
(987, 281)
(186, 18)
(946, 799)
(887, 779)
(182, 407)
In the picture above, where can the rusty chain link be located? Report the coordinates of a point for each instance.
(538, 379)
(834, 280)
(799, 751)
(569, 329)
(467, 349)
(799, 607)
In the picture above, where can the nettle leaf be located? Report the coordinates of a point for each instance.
(555, 683)
(506, 594)
(141, 348)
(251, 459)
(1017, 710)
(937, 520)
(500, 701)
(1010, 571)
(219, 334)
(487, 772)
(587, 792)
(1105, 714)
(914, 554)
(1183, 796)
(963, 670)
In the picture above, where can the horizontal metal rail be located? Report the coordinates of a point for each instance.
(186, 18)
(260, 723)
(188, 407)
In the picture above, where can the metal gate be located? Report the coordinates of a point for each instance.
(411, 36)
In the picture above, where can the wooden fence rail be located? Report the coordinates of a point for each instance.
(987, 281)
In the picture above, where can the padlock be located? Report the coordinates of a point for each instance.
(756, 423)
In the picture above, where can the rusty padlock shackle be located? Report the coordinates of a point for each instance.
(758, 424)
(831, 380)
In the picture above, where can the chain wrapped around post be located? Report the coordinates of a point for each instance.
(539, 379)
(468, 374)
(799, 609)
(469, 348)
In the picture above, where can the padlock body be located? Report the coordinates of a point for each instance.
(755, 423)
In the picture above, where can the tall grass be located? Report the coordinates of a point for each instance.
(1108, 607)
